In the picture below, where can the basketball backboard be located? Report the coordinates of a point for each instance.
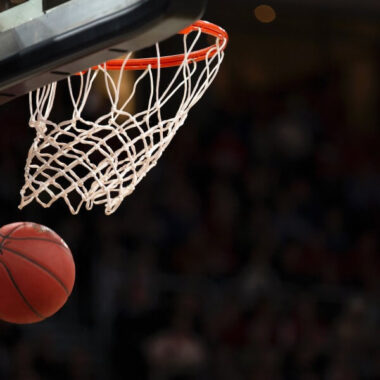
(42, 41)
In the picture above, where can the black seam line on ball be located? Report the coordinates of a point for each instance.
(6, 237)
(26, 258)
(14, 230)
(20, 292)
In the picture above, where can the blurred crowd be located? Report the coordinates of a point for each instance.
(251, 252)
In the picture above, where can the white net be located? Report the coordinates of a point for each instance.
(100, 161)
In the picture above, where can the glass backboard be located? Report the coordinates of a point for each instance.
(42, 41)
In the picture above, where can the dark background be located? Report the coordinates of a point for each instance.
(251, 252)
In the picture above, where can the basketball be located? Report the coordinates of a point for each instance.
(37, 272)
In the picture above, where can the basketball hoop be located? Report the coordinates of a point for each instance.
(99, 162)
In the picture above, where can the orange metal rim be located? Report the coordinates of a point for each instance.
(175, 60)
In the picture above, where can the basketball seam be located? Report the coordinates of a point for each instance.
(26, 258)
(34, 238)
(5, 237)
(20, 292)
(14, 230)
(9, 236)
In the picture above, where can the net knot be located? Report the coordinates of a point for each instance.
(39, 126)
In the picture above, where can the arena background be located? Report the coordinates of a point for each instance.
(251, 252)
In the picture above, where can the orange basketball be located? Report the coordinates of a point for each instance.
(37, 272)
